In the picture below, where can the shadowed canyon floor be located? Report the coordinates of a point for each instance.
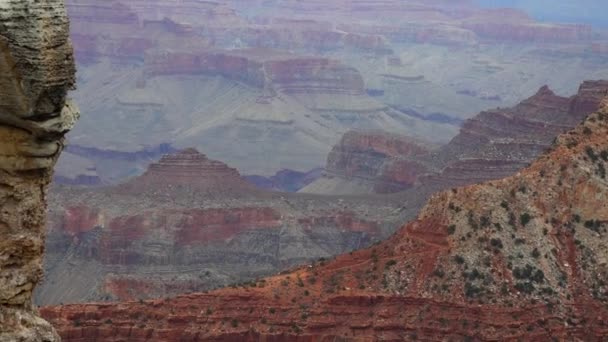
(519, 258)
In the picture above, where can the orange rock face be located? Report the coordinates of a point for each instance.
(521, 258)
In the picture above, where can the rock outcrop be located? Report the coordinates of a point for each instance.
(522, 258)
(497, 143)
(368, 162)
(36, 72)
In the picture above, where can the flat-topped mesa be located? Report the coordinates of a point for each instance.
(191, 169)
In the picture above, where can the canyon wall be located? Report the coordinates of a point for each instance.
(521, 258)
(189, 224)
(36, 72)
(492, 145)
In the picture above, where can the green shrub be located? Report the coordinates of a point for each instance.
(451, 229)
(458, 259)
(390, 263)
(591, 154)
(524, 219)
(496, 243)
(535, 253)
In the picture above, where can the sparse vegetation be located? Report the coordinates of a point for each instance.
(593, 225)
(587, 131)
(535, 253)
(591, 154)
(390, 263)
(524, 219)
(459, 259)
(504, 205)
(496, 243)
(451, 229)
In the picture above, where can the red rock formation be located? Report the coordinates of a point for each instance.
(222, 224)
(496, 143)
(191, 169)
(229, 65)
(314, 75)
(385, 160)
(492, 145)
(521, 258)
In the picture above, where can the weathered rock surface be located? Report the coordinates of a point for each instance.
(191, 224)
(36, 72)
(522, 258)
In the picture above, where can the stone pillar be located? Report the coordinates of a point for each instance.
(36, 72)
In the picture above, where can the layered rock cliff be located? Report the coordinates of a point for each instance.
(192, 224)
(367, 162)
(189, 169)
(36, 72)
(492, 145)
(521, 258)
(302, 73)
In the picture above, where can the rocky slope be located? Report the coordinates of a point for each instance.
(190, 224)
(36, 72)
(518, 258)
(492, 145)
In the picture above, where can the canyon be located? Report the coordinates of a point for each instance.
(518, 258)
(492, 145)
(191, 224)
(270, 85)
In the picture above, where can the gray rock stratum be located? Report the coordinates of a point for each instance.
(36, 72)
